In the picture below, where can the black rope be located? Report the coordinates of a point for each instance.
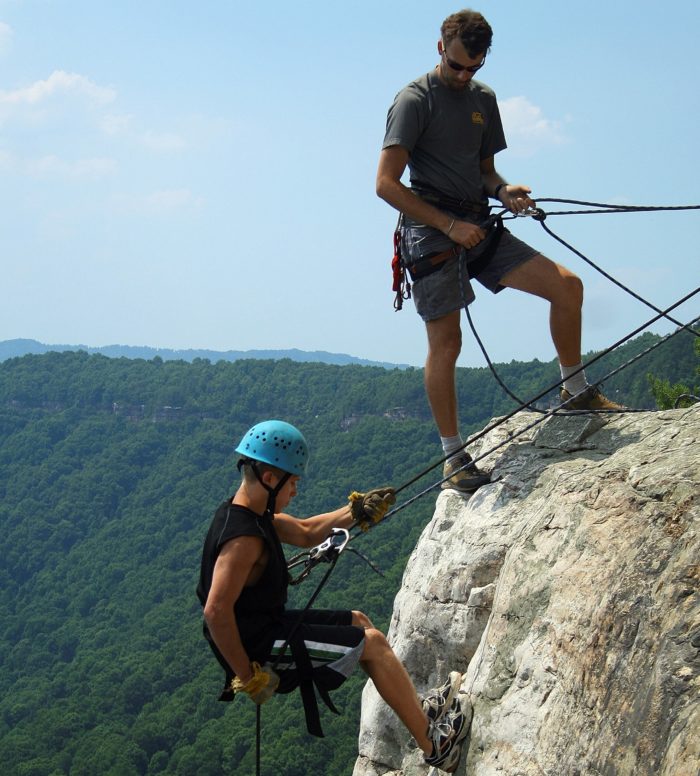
(284, 648)
(685, 396)
(610, 277)
(540, 215)
(522, 405)
(257, 739)
(494, 372)
(604, 207)
(544, 415)
(555, 385)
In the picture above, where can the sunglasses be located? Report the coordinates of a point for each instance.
(462, 68)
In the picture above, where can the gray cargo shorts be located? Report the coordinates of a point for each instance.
(447, 289)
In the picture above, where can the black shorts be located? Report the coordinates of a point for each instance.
(334, 647)
(323, 651)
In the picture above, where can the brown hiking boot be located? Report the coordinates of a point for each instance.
(590, 399)
(468, 479)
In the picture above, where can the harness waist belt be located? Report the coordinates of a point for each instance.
(446, 202)
(429, 264)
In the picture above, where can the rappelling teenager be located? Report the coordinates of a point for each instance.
(445, 126)
(243, 589)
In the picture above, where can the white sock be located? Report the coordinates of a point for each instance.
(452, 444)
(574, 384)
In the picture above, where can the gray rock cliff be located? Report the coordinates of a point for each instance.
(567, 594)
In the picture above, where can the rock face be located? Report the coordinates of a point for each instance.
(567, 594)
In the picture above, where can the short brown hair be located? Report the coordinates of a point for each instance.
(471, 28)
(248, 473)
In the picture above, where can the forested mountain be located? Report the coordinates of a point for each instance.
(22, 347)
(110, 470)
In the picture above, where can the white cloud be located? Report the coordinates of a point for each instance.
(526, 127)
(59, 82)
(123, 126)
(81, 168)
(5, 38)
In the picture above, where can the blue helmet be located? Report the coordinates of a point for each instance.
(278, 444)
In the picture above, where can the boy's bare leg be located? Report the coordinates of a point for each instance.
(395, 686)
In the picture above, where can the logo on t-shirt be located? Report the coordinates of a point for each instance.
(477, 118)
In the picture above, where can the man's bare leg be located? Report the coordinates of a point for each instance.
(563, 290)
(444, 345)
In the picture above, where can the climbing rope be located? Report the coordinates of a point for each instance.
(314, 556)
(542, 417)
(325, 552)
(607, 208)
(540, 215)
(330, 550)
(685, 397)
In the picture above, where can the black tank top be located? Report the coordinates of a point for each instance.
(260, 606)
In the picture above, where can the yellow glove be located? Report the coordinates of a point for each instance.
(371, 507)
(261, 687)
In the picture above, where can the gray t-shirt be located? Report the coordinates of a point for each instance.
(447, 133)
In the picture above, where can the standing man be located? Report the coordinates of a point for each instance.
(446, 127)
(265, 648)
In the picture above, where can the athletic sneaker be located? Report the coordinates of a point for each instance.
(436, 702)
(466, 481)
(591, 399)
(447, 736)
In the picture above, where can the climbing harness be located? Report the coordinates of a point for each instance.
(421, 266)
(327, 552)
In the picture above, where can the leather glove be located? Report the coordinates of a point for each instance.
(371, 507)
(261, 687)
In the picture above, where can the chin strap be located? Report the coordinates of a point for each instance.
(272, 492)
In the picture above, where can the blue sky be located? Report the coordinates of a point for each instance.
(201, 175)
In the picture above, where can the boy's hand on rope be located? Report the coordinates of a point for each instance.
(371, 507)
(261, 687)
